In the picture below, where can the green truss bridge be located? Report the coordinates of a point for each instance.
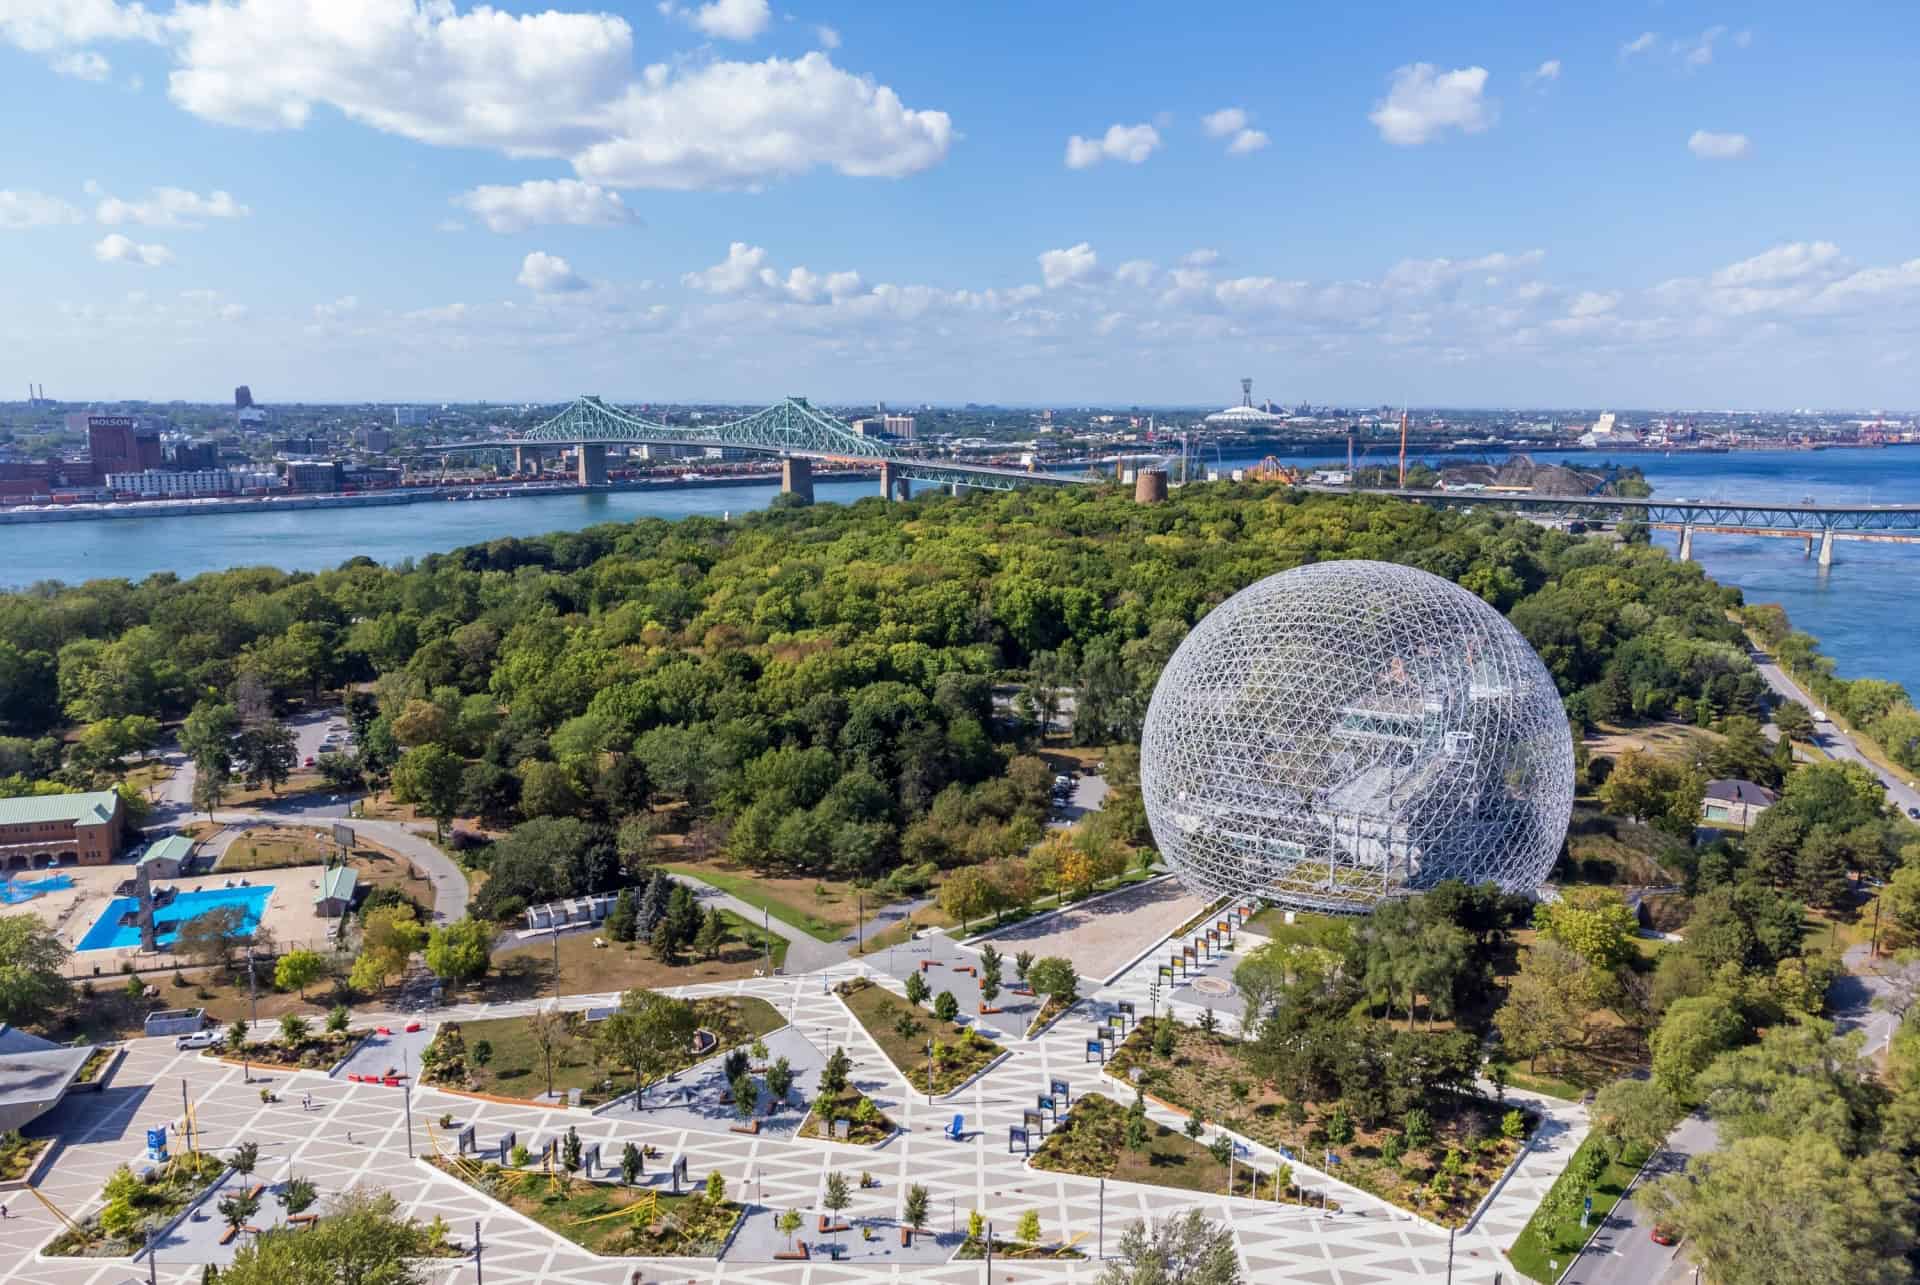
(791, 429)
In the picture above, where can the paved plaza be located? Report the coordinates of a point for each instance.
(357, 1135)
(1104, 934)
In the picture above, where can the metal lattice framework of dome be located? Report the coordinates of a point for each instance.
(1349, 731)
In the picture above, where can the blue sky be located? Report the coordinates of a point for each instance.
(1668, 205)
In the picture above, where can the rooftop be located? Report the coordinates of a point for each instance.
(32, 1083)
(96, 808)
(338, 881)
(175, 847)
(1733, 790)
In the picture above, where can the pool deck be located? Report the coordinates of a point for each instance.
(288, 914)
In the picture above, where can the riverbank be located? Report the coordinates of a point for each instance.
(28, 514)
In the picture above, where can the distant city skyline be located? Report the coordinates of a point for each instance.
(1691, 206)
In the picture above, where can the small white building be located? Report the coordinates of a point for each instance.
(571, 913)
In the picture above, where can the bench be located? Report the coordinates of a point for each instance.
(906, 1237)
(302, 1220)
(795, 1255)
(226, 1237)
(258, 1187)
(827, 1227)
(751, 1126)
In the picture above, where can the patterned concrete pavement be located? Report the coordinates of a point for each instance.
(356, 1135)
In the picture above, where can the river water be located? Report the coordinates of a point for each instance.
(1864, 609)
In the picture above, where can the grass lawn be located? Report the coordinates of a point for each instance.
(1307, 928)
(961, 1052)
(1544, 1241)
(275, 847)
(1205, 1074)
(587, 1213)
(145, 775)
(525, 970)
(1091, 1141)
(517, 1069)
(1616, 850)
(822, 910)
(109, 1014)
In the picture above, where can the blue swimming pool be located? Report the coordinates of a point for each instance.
(109, 933)
(15, 891)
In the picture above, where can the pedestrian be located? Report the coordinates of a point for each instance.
(3, 1212)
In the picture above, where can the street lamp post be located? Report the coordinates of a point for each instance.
(479, 1272)
(253, 999)
(929, 1072)
(1101, 1250)
(556, 961)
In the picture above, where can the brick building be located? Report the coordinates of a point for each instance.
(37, 831)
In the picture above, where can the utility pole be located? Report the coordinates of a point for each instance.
(1450, 1256)
(253, 998)
(186, 1114)
(766, 936)
(153, 1277)
(1873, 951)
(1403, 448)
(556, 961)
(860, 921)
(479, 1272)
(1101, 1250)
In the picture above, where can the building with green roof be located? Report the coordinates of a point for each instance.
(39, 830)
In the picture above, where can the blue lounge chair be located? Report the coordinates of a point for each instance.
(954, 1130)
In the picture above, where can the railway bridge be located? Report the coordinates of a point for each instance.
(1819, 525)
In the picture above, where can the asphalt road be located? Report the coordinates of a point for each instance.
(1624, 1253)
(1830, 738)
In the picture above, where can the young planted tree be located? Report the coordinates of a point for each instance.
(916, 1205)
(548, 1031)
(917, 989)
(632, 1164)
(238, 1209)
(297, 1195)
(746, 1094)
(788, 1223)
(712, 931)
(779, 1079)
(946, 1007)
(836, 1197)
(570, 1150)
(833, 1076)
(1028, 1232)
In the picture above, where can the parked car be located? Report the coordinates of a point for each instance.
(1914, 813)
(1665, 1235)
(198, 1040)
(308, 762)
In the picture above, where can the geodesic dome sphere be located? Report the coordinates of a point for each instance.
(1346, 731)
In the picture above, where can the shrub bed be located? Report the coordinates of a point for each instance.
(1440, 1166)
(130, 1203)
(901, 1031)
(588, 1213)
(1092, 1142)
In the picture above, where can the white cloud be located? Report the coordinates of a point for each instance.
(545, 273)
(1424, 103)
(1793, 261)
(541, 201)
(115, 248)
(1591, 303)
(1228, 120)
(1698, 52)
(170, 207)
(1129, 143)
(1640, 44)
(1066, 267)
(723, 19)
(22, 210)
(1135, 272)
(1234, 122)
(1742, 39)
(1202, 258)
(48, 26)
(827, 36)
(338, 308)
(547, 84)
(745, 271)
(83, 64)
(736, 124)
(1548, 70)
(1709, 146)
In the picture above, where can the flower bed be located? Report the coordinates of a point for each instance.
(589, 1213)
(117, 1228)
(960, 1052)
(1092, 1142)
(976, 1247)
(865, 1125)
(19, 1154)
(1443, 1180)
(315, 1051)
(1049, 1012)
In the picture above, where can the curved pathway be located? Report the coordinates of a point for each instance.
(450, 891)
(805, 954)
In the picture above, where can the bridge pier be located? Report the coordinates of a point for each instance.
(1808, 553)
(891, 487)
(522, 455)
(953, 489)
(796, 477)
(593, 464)
(1686, 543)
(1826, 547)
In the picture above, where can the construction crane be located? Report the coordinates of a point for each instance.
(1403, 448)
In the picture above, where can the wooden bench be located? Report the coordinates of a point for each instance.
(258, 1187)
(751, 1126)
(795, 1255)
(302, 1220)
(828, 1228)
(226, 1237)
(906, 1237)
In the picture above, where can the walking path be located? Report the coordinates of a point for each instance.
(805, 953)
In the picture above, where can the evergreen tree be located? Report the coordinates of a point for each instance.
(653, 905)
(683, 913)
(713, 931)
(622, 919)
